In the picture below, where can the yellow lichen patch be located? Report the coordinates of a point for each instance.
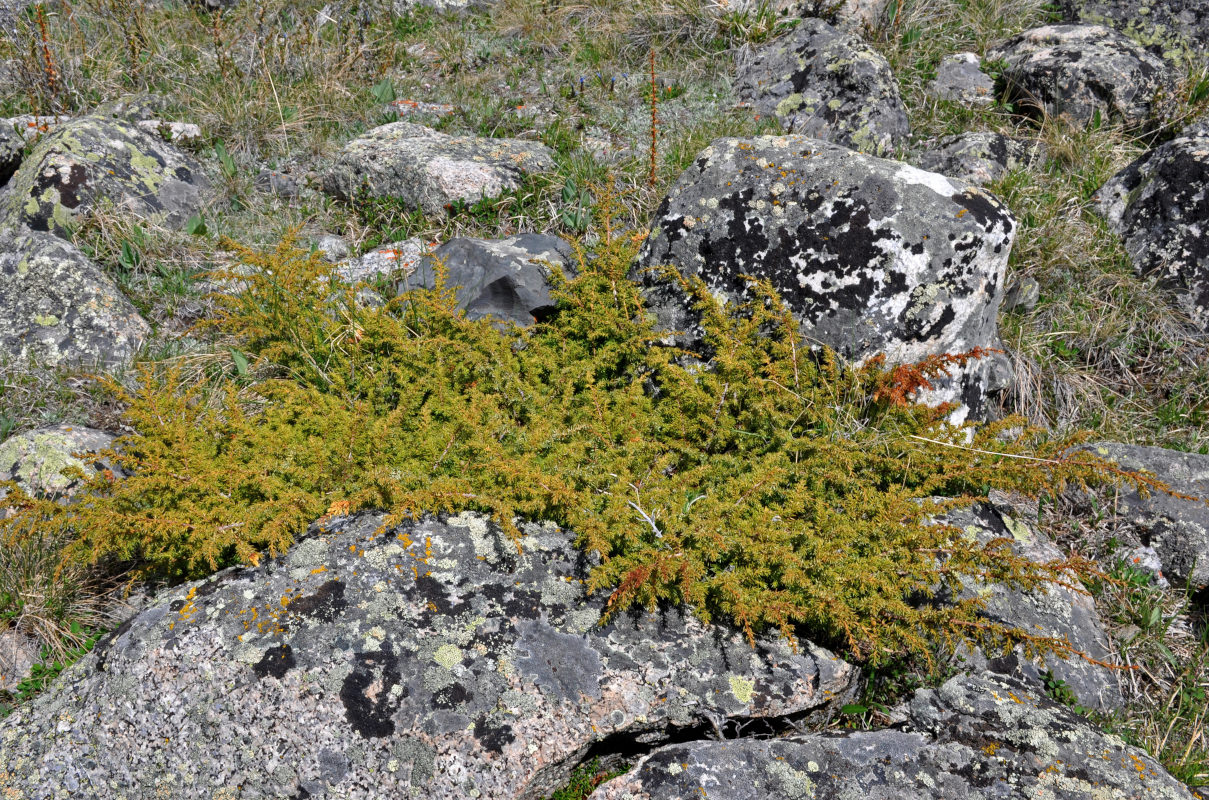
(742, 688)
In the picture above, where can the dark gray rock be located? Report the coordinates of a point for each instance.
(1078, 70)
(506, 279)
(974, 737)
(57, 307)
(1022, 295)
(279, 182)
(431, 170)
(1159, 205)
(822, 82)
(871, 256)
(88, 159)
(35, 460)
(960, 78)
(1177, 528)
(979, 157)
(12, 150)
(429, 660)
(1057, 612)
(1178, 30)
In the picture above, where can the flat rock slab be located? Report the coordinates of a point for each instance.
(822, 82)
(1078, 71)
(1177, 528)
(979, 157)
(1178, 30)
(88, 159)
(505, 279)
(58, 307)
(871, 256)
(430, 170)
(1159, 205)
(974, 737)
(35, 459)
(425, 660)
(960, 79)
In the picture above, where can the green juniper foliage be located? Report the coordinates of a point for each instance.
(772, 487)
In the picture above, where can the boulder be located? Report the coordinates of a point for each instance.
(1177, 30)
(960, 79)
(431, 170)
(1076, 71)
(973, 737)
(505, 279)
(1159, 205)
(979, 157)
(1176, 527)
(386, 260)
(89, 159)
(822, 82)
(58, 307)
(871, 256)
(1057, 611)
(35, 460)
(433, 659)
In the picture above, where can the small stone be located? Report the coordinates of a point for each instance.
(1022, 294)
(960, 78)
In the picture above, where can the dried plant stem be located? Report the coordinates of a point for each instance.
(48, 61)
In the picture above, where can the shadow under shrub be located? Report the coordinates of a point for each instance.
(773, 487)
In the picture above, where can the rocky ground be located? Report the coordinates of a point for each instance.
(1023, 181)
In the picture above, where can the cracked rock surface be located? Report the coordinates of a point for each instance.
(979, 157)
(428, 659)
(431, 170)
(58, 307)
(1078, 70)
(1159, 205)
(35, 459)
(871, 256)
(974, 737)
(822, 82)
(1178, 30)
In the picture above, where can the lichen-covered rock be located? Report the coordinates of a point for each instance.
(979, 157)
(18, 654)
(1159, 205)
(1078, 70)
(858, 16)
(432, 170)
(960, 78)
(1178, 30)
(12, 150)
(506, 279)
(35, 460)
(389, 259)
(1058, 611)
(58, 307)
(1177, 528)
(88, 159)
(822, 82)
(974, 737)
(426, 660)
(871, 256)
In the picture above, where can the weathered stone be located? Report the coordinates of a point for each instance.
(960, 78)
(1022, 295)
(858, 16)
(822, 82)
(18, 654)
(134, 107)
(974, 737)
(90, 158)
(1177, 528)
(443, 6)
(1159, 205)
(431, 170)
(506, 279)
(871, 256)
(57, 307)
(389, 259)
(170, 131)
(12, 150)
(429, 660)
(35, 460)
(1177, 30)
(407, 109)
(279, 182)
(1056, 612)
(1078, 70)
(979, 157)
(334, 248)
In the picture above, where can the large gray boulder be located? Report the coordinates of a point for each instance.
(89, 159)
(973, 737)
(1176, 527)
(822, 82)
(427, 660)
(1077, 71)
(35, 460)
(431, 170)
(871, 256)
(58, 307)
(1178, 30)
(505, 279)
(979, 157)
(1159, 205)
